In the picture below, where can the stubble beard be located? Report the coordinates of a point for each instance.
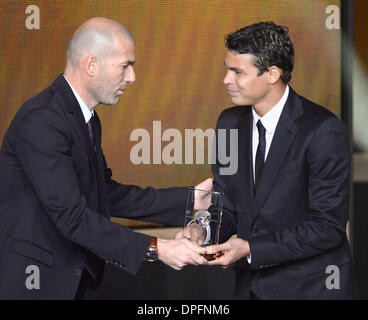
(103, 95)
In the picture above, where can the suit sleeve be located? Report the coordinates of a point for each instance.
(166, 206)
(328, 161)
(42, 147)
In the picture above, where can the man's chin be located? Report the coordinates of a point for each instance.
(240, 102)
(111, 103)
(235, 101)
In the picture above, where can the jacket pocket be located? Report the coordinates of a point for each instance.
(31, 250)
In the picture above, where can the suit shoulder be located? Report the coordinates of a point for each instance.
(38, 110)
(235, 111)
(42, 99)
(316, 111)
(320, 118)
(41, 105)
(230, 117)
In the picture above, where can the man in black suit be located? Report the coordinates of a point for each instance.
(288, 202)
(56, 191)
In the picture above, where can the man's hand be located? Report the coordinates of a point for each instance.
(179, 253)
(202, 199)
(232, 250)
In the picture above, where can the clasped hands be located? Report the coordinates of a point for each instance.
(225, 253)
(186, 247)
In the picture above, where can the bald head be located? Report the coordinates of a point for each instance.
(97, 36)
(100, 59)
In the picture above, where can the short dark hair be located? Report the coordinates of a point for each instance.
(268, 43)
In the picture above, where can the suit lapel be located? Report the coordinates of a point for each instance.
(100, 170)
(284, 136)
(74, 114)
(245, 158)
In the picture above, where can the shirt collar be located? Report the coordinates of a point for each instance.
(271, 118)
(87, 114)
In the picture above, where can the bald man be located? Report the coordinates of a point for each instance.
(56, 191)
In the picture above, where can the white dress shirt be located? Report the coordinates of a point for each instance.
(87, 114)
(269, 121)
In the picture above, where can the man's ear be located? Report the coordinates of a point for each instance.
(90, 65)
(274, 74)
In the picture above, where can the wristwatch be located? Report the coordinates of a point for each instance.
(151, 254)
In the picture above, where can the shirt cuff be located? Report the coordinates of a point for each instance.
(249, 258)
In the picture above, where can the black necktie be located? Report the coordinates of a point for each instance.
(91, 132)
(261, 150)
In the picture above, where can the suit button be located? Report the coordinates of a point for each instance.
(255, 228)
(77, 272)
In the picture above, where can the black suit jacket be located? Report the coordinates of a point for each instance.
(295, 224)
(56, 198)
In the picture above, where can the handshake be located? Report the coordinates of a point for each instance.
(190, 245)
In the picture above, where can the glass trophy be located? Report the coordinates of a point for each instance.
(203, 226)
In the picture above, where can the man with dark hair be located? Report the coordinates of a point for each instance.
(288, 203)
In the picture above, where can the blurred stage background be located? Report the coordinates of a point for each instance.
(180, 53)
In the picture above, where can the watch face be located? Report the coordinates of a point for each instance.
(151, 255)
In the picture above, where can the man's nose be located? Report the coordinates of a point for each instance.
(228, 78)
(130, 75)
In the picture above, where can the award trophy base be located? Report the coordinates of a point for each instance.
(213, 256)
